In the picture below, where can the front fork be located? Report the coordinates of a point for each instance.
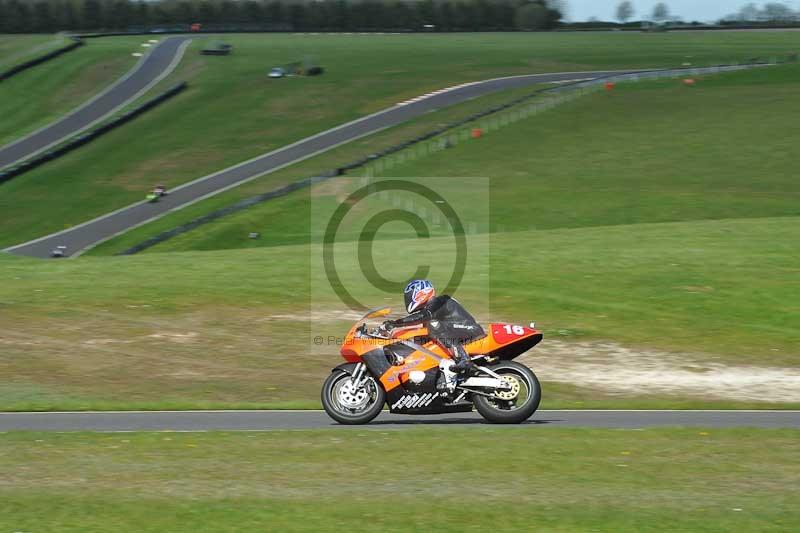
(358, 377)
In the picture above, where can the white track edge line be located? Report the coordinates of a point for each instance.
(136, 67)
(173, 64)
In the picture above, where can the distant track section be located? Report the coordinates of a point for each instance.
(83, 236)
(76, 142)
(155, 66)
(79, 237)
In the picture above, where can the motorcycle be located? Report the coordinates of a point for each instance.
(409, 372)
(156, 194)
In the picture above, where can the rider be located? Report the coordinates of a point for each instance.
(446, 320)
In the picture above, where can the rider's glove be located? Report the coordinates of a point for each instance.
(386, 327)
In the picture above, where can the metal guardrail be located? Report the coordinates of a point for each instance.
(76, 142)
(77, 43)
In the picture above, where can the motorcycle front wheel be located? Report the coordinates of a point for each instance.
(348, 405)
(514, 406)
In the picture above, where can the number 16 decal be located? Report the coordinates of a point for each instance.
(516, 330)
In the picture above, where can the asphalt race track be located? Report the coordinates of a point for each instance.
(94, 231)
(277, 420)
(153, 67)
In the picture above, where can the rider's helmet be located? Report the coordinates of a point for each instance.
(418, 293)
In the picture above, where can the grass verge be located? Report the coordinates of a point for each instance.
(221, 328)
(16, 49)
(557, 479)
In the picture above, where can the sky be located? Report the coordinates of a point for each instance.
(702, 10)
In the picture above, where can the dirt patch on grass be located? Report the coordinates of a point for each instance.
(180, 338)
(267, 355)
(622, 371)
(317, 316)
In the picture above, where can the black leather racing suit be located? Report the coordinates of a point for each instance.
(448, 323)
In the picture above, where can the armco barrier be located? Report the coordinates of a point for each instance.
(307, 182)
(41, 59)
(80, 140)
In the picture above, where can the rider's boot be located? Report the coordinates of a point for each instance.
(463, 363)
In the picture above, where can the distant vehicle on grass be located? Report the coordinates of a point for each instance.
(217, 49)
(297, 68)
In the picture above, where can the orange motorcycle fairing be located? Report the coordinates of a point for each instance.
(420, 357)
(354, 348)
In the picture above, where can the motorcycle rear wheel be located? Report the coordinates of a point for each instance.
(341, 412)
(499, 411)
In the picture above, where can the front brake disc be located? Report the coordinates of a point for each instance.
(352, 398)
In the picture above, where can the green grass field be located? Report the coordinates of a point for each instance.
(515, 479)
(220, 329)
(617, 165)
(194, 134)
(648, 217)
(16, 49)
(52, 89)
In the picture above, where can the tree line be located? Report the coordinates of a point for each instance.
(49, 16)
(768, 13)
(749, 14)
